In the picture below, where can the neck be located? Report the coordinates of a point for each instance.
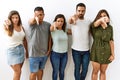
(59, 28)
(15, 25)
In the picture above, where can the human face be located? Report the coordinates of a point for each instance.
(39, 15)
(80, 12)
(15, 19)
(60, 22)
(104, 15)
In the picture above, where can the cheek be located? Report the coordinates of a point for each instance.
(15, 20)
(61, 23)
(41, 17)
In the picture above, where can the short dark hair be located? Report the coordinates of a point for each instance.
(39, 9)
(81, 5)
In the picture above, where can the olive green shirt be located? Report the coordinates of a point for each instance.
(101, 51)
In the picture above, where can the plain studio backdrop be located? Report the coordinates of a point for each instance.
(51, 8)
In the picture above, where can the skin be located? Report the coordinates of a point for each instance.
(102, 67)
(17, 67)
(38, 19)
(57, 25)
(80, 12)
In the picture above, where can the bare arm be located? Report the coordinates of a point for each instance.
(52, 28)
(49, 45)
(102, 21)
(26, 47)
(112, 50)
(97, 23)
(69, 32)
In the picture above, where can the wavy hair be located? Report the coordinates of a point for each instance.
(11, 27)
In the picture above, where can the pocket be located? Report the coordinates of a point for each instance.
(11, 50)
(45, 57)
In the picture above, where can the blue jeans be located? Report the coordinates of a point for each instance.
(58, 61)
(81, 59)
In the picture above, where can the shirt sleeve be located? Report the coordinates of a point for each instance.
(111, 38)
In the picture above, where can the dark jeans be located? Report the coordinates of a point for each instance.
(58, 61)
(81, 59)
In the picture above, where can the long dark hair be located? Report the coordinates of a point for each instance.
(61, 16)
(11, 27)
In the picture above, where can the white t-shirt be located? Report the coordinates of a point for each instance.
(81, 35)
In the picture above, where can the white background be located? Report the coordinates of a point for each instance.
(53, 7)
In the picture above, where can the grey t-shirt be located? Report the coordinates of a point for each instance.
(38, 39)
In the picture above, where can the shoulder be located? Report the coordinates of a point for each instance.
(87, 20)
(46, 23)
(22, 28)
(110, 26)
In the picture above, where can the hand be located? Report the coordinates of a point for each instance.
(111, 58)
(73, 19)
(7, 22)
(105, 19)
(37, 20)
(55, 25)
(48, 53)
(70, 21)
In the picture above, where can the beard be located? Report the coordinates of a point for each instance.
(81, 16)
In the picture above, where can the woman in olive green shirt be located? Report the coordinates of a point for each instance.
(102, 51)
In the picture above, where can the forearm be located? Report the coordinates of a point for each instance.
(49, 44)
(26, 47)
(69, 31)
(97, 23)
(112, 48)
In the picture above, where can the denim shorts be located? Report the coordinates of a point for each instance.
(37, 63)
(15, 55)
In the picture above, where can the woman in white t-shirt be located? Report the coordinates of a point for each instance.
(16, 41)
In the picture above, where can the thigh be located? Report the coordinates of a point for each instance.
(63, 61)
(55, 60)
(76, 57)
(34, 64)
(43, 61)
(17, 67)
(96, 66)
(86, 59)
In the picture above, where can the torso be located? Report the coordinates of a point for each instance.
(80, 35)
(101, 46)
(60, 41)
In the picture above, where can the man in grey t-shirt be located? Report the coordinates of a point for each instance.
(39, 43)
